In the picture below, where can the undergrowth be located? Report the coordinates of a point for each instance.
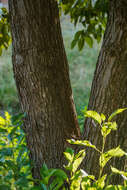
(15, 166)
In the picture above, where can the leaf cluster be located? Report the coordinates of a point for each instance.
(78, 179)
(15, 166)
(91, 14)
(5, 35)
(15, 169)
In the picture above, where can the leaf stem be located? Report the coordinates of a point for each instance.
(103, 146)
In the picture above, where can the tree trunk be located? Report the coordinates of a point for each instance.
(109, 88)
(42, 78)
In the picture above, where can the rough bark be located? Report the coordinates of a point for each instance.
(109, 88)
(42, 79)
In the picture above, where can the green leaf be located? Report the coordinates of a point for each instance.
(44, 171)
(77, 35)
(116, 152)
(2, 121)
(81, 43)
(3, 130)
(22, 182)
(73, 43)
(101, 181)
(113, 126)
(98, 39)
(107, 127)
(94, 115)
(103, 117)
(43, 187)
(59, 178)
(47, 174)
(105, 157)
(86, 183)
(68, 156)
(74, 161)
(77, 160)
(111, 187)
(56, 184)
(70, 151)
(17, 118)
(11, 164)
(118, 111)
(60, 174)
(89, 41)
(6, 152)
(105, 131)
(76, 181)
(8, 118)
(82, 143)
(0, 51)
(39, 188)
(122, 173)
(4, 187)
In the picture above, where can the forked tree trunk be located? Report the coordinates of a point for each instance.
(109, 88)
(42, 79)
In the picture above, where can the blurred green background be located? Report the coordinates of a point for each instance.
(82, 65)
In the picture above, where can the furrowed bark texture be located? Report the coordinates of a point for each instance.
(109, 88)
(42, 79)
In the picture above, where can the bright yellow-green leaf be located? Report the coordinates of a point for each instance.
(94, 115)
(111, 187)
(76, 180)
(8, 118)
(103, 117)
(80, 153)
(101, 181)
(105, 130)
(75, 185)
(113, 126)
(122, 173)
(115, 113)
(2, 121)
(68, 156)
(77, 160)
(115, 152)
(107, 127)
(82, 143)
(77, 163)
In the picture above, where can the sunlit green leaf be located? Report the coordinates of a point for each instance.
(82, 143)
(68, 156)
(105, 130)
(2, 121)
(94, 115)
(101, 181)
(105, 157)
(118, 111)
(76, 181)
(8, 118)
(107, 127)
(103, 117)
(77, 160)
(122, 173)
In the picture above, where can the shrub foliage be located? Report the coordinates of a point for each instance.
(15, 166)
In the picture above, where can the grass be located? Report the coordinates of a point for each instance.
(82, 65)
(8, 93)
